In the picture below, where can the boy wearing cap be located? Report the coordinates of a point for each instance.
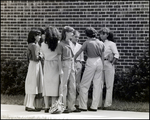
(93, 70)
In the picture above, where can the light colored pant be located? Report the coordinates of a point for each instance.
(78, 70)
(92, 72)
(29, 100)
(109, 72)
(69, 84)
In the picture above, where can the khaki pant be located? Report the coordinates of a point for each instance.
(109, 72)
(69, 84)
(92, 72)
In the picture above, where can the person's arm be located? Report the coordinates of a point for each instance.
(60, 76)
(80, 50)
(115, 52)
(35, 52)
(59, 51)
(77, 54)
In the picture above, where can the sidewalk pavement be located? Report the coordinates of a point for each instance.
(18, 112)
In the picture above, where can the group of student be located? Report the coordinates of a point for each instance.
(56, 63)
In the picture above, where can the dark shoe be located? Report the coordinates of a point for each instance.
(46, 110)
(38, 109)
(26, 108)
(82, 109)
(99, 108)
(32, 110)
(77, 110)
(106, 108)
(90, 109)
(66, 111)
(77, 106)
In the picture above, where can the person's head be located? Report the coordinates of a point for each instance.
(34, 36)
(90, 32)
(42, 36)
(105, 33)
(52, 36)
(67, 33)
(75, 36)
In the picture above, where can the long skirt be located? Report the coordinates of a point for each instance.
(51, 78)
(34, 79)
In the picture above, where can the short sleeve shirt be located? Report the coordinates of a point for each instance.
(93, 48)
(110, 48)
(33, 51)
(65, 51)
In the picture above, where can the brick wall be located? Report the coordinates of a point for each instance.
(129, 20)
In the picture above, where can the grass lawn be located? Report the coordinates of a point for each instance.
(117, 105)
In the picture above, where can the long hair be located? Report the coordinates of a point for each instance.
(64, 30)
(32, 34)
(52, 36)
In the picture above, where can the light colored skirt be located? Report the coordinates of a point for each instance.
(51, 78)
(34, 78)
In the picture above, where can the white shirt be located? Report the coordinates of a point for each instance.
(48, 54)
(110, 47)
(75, 48)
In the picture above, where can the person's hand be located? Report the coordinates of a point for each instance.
(61, 72)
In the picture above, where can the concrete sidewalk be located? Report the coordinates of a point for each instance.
(18, 112)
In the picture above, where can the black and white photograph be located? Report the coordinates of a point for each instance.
(75, 59)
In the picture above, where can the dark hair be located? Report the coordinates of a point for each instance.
(42, 30)
(110, 36)
(32, 34)
(52, 36)
(90, 32)
(64, 30)
(42, 33)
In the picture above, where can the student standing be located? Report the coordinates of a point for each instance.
(79, 61)
(34, 78)
(51, 79)
(93, 70)
(39, 100)
(111, 54)
(67, 62)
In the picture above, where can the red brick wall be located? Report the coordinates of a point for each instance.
(129, 20)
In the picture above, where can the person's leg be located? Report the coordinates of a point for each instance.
(101, 93)
(66, 69)
(78, 80)
(97, 85)
(54, 99)
(30, 101)
(72, 89)
(85, 84)
(46, 101)
(109, 79)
